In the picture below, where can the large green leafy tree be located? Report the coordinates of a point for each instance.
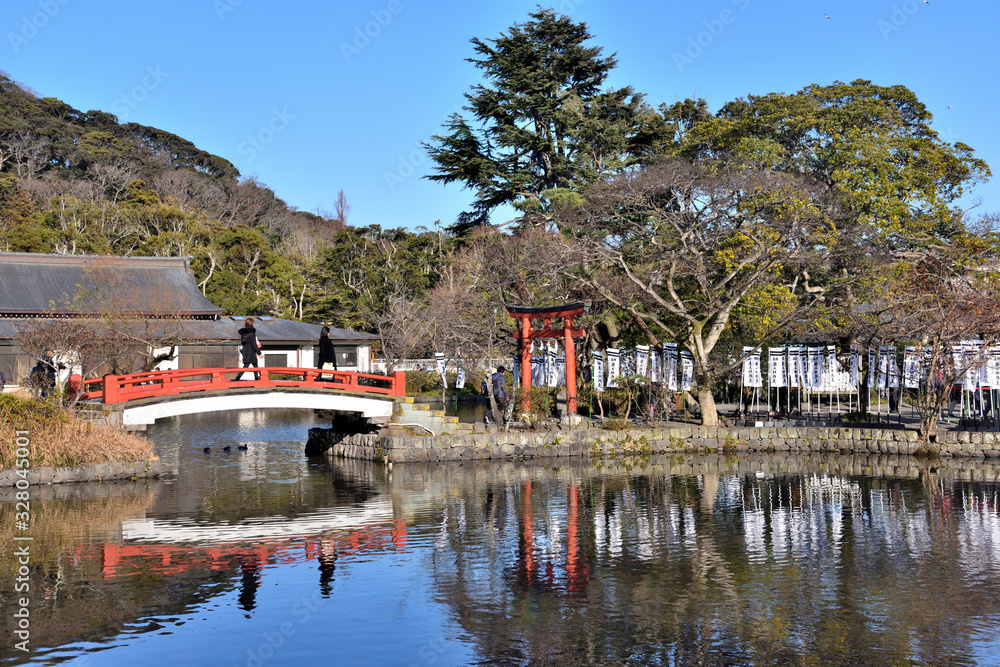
(541, 121)
(872, 144)
(872, 147)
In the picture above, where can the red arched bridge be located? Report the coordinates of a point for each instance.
(146, 397)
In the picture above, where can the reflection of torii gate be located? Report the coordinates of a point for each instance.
(526, 334)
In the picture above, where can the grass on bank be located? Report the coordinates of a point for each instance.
(58, 438)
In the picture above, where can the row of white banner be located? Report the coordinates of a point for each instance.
(973, 363)
(816, 368)
(547, 370)
(652, 364)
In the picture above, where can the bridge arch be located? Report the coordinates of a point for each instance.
(146, 411)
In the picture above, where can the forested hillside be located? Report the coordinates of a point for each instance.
(81, 182)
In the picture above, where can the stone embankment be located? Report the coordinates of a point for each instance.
(396, 444)
(98, 472)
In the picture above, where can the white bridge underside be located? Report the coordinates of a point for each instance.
(371, 408)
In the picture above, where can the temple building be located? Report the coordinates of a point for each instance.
(153, 299)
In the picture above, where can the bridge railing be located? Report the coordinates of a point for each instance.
(122, 388)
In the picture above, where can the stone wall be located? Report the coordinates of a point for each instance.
(396, 445)
(99, 472)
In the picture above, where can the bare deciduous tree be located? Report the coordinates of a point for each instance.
(679, 246)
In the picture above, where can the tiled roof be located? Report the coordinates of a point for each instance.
(274, 330)
(35, 284)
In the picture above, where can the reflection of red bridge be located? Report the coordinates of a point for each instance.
(145, 397)
(131, 559)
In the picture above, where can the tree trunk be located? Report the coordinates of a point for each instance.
(706, 401)
(928, 424)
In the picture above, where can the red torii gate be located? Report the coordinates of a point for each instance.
(526, 334)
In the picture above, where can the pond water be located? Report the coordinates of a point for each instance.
(264, 557)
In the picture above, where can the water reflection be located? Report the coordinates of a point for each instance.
(696, 560)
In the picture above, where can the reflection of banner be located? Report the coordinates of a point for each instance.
(439, 360)
(854, 367)
(911, 368)
(642, 360)
(655, 370)
(777, 374)
(687, 370)
(751, 369)
(598, 373)
(551, 370)
(614, 368)
(670, 370)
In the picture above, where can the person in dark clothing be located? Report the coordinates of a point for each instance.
(249, 347)
(326, 353)
(43, 375)
(499, 382)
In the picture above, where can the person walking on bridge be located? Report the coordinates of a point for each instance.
(249, 348)
(327, 357)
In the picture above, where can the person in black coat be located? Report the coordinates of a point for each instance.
(43, 375)
(326, 353)
(249, 347)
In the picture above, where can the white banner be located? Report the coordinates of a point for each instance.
(598, 373)
(751, 369)
(892, 368)
(872, 368)
(642, 360)
(670, 369)
(538, 371)
(855, 367)
(439, 360)
(794, 365)
(815, 368)
(614, 367)
(912, 367)
(687, 370)
(777, 375)
(655, 367)
(883, 367)
(993, 368)
(551, 369)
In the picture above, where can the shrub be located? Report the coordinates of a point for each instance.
(59, 438)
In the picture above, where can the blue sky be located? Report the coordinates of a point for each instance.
(312, 97)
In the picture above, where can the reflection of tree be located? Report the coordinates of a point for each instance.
(735, 564)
